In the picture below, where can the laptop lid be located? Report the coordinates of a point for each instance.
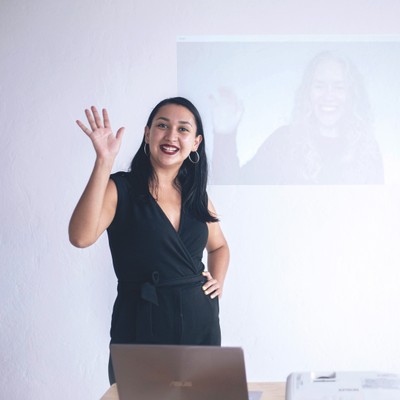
(169, 372)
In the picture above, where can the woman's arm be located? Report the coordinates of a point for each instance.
(227, 112)
(218, 259)
(96, 207)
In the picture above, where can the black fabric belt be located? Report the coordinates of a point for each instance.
(148, 289)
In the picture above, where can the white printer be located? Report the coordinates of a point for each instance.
(346, 385)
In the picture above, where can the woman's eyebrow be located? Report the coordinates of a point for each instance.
(168, 120)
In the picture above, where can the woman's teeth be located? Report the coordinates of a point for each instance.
(169, 149)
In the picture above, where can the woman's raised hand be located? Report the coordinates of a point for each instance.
(227, 111)
(105, 143)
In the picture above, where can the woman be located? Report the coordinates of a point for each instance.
(328, 141)
(159, 221)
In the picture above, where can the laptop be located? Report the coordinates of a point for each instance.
(172, 372)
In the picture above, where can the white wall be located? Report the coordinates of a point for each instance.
(58, 58)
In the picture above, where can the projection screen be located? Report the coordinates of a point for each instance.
(303, 139)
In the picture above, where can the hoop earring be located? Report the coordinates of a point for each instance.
(198, 157)
(144, 149)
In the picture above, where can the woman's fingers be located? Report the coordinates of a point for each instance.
(97, 119)
(94, 118)
(90, 119)
(83, 127)
(213, 290)
(212, 287)
(106, 144)
(120, 133)
(106, 119)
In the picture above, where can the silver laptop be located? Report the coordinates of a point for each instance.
(166, 372)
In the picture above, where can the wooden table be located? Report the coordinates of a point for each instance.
(271, 391)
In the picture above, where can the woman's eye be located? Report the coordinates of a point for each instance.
(182, 129)
(162, 125)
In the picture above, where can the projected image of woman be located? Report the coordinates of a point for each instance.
(329, 140)
(159, 221)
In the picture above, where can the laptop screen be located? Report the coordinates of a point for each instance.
(169, 372)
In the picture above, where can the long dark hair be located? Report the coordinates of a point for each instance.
(191, 179)
(361, 154)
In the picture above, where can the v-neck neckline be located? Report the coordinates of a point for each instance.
(165, 216)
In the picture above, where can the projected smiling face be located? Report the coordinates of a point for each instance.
(329, 93)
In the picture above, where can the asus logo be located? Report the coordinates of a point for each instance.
(180, 384)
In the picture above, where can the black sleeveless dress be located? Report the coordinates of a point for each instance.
(160, 298)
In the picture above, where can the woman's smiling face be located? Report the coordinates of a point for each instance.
(329, 92)
(172, 136)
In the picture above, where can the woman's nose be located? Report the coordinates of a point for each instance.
(327, 93)
(171, 134)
